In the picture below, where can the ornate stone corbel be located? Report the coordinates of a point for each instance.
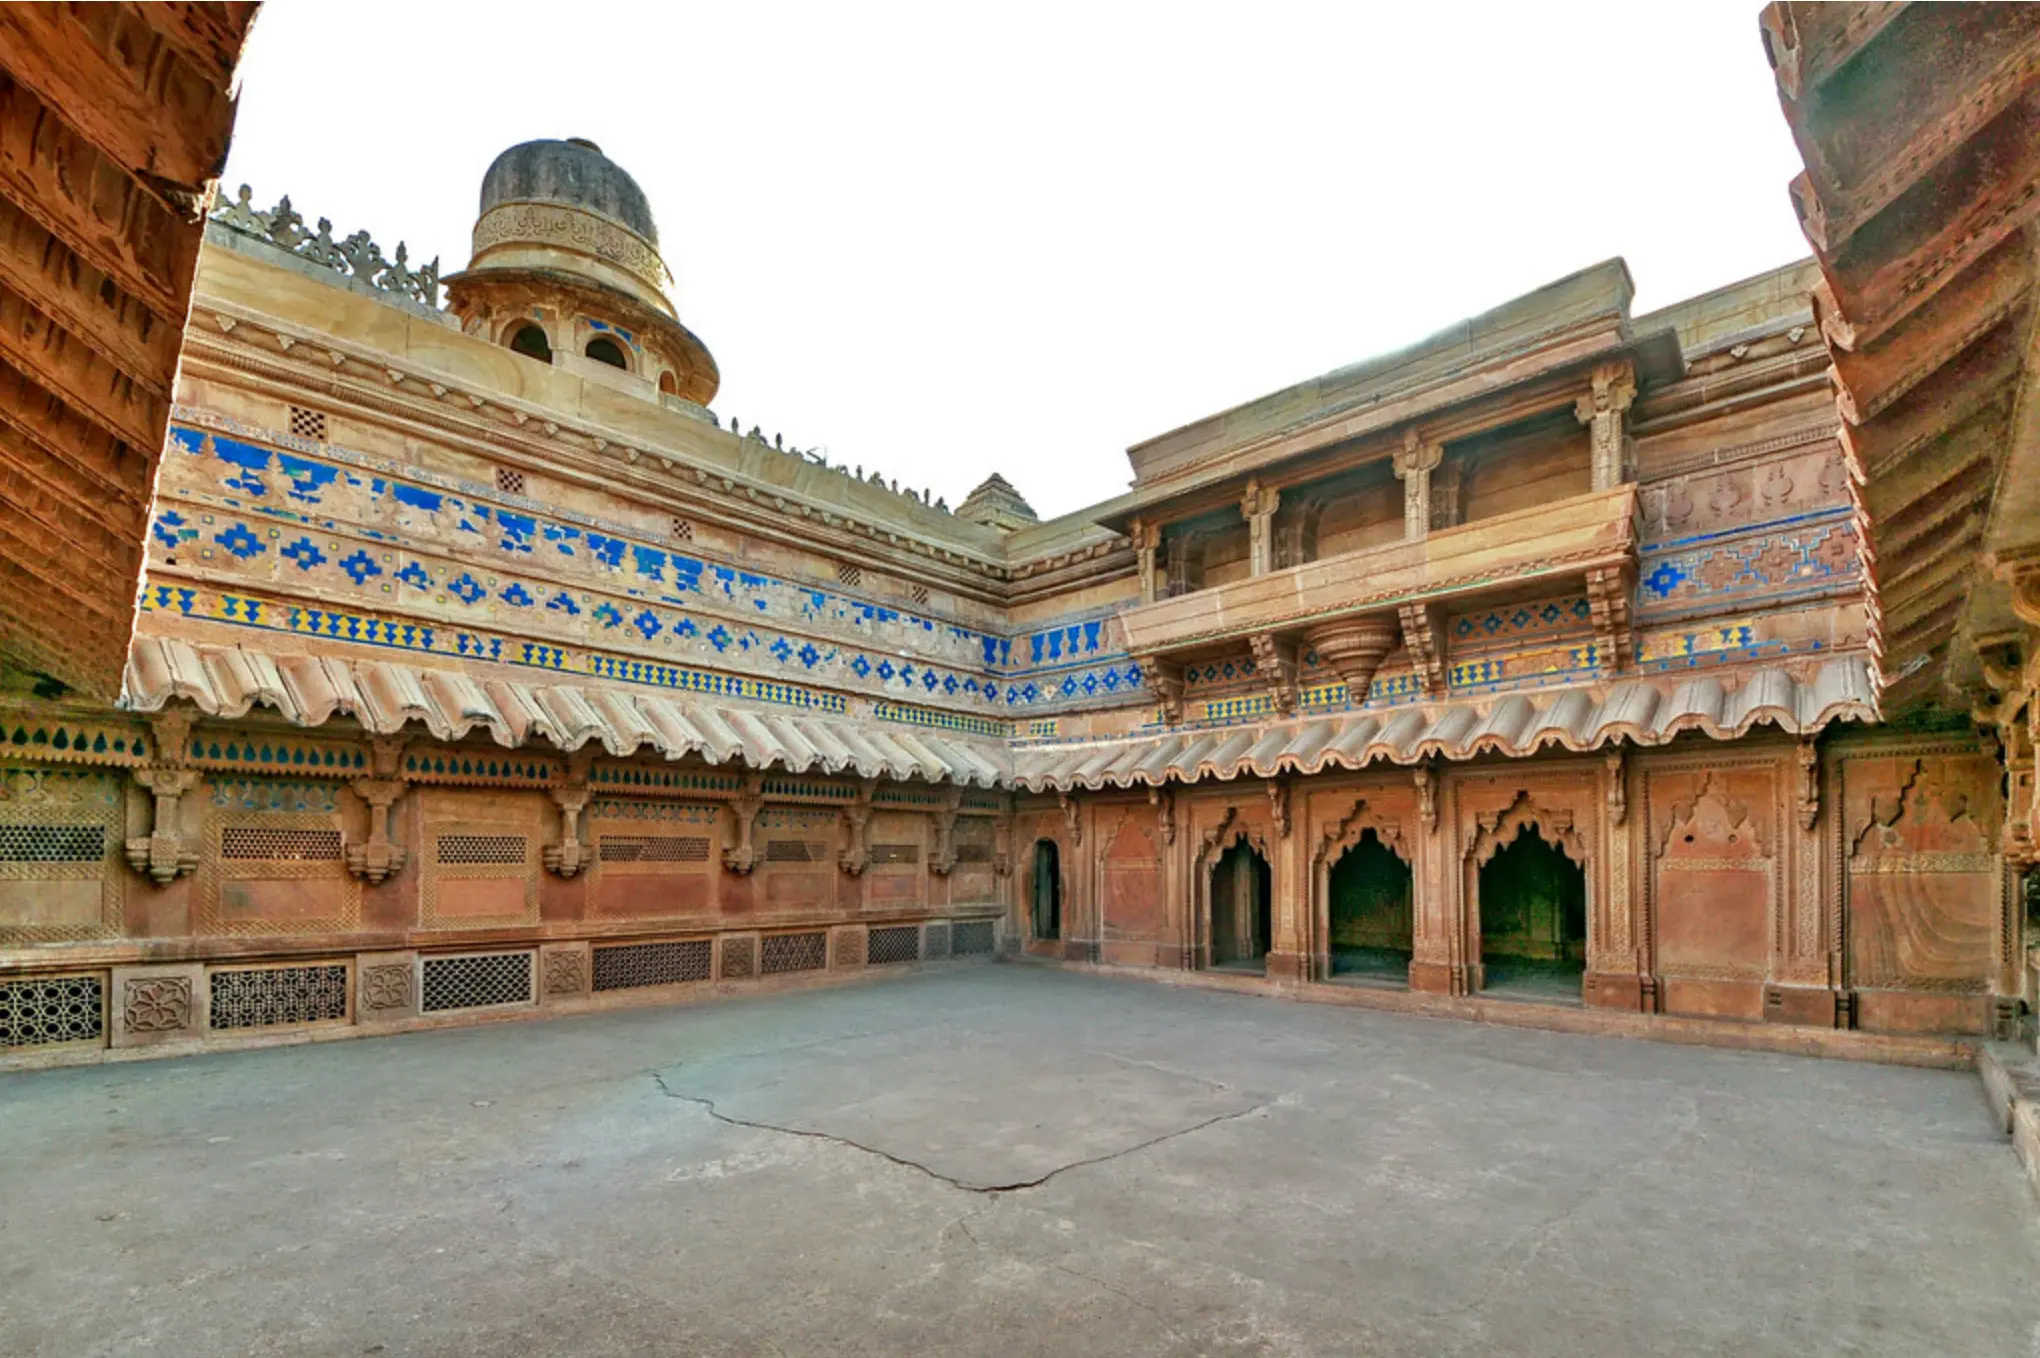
(165, 854)
(1608, 590)
(1165, 681)
(1163, 800)
(1278, 806)
(1257, 507)
(1072, 818)
(1275, 667)
(1423, 634)
(1611, 388)
(567, 857)
(1809, 783)
(379, 858)
(855, 855)
(742, 855)
(1414, 465)
(1427, 796)
(1618, 786)
(1355, 648)
(943, 858)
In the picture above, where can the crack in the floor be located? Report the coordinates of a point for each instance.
(708, 1105)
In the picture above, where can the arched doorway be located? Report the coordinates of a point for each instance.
(1533, 918)
(530, 341)
(1369, 898)
(1242, 921)
(1047, 890)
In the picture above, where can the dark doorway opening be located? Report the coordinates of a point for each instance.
(1370, 897)
(605, 350)
(1047, 889)
(1533, 919)
(530, 341)
(1242, 919)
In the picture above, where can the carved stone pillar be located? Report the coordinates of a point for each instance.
(1437, 942)
(166, 853)
(1448, 485)
(1289, 946)
(1296, 536)
(855, 854)
(1147, 545)
(380, 858)
(1612, 387)
(1414, 464)
(740, 854)
(1258, 508)
(1618, 959)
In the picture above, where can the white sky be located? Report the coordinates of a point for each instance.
(940, 240)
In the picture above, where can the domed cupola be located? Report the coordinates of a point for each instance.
(566, 260)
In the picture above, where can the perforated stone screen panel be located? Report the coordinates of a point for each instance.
(475, 981)
(796, 851)
(781, 953)
(972, 938)
(632, 965)
(296, 845)
(938, 941)
(653, 848)
(52, 843)
(268, 997)
(894, 943)
(44, 1011)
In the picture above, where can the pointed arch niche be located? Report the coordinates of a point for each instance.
(1527, 887)
(1366, 898)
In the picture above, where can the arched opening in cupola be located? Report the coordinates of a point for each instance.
(668, 384)
(530, 341)
(606, 350)
(1370, 896)
(1242, 922)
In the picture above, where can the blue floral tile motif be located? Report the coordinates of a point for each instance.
(1112, 681)
(886, 670)
(1068, 688)
(720, 638)
(781, 650)
(648, 623)
(360, 566)
(414, 575)
(862, 666)
(304, 552)
(240, 542)
(686, 628)
(166, 527)
(1664, 579)
(809, 655)
(563, 602)
(949, 685)
(608, 615)
(465, 589)
(518, 595)
(928, 680)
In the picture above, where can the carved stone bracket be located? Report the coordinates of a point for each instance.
(570, 855)
(741, 855)
(1278, 806)
(856, 852)
(1808, 798)
(165, 853)
(1414, 464)
(1427, 796)
(1275, 667)
(1608, 592)
(1612, 387)
(1618, 785)
(1355, 648)
(380, 858)
(943, 858)
(1163, 800)
(1423, 635)
(1072, 818)
(1165, 681)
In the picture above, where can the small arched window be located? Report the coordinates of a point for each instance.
(667, 385)
(605, 350)
(530, 341)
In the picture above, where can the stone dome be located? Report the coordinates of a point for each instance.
(573, 173)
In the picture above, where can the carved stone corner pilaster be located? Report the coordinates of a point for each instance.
(1275, 667)
(1618, 786)
(741, 855)
(570, 855)
(1426, 780)
(1278, 806)
(1807, 789)
(1610, 391)
(1414, 465)
(855, 855)
(1608, 594)
(380, 858)
(1073, 818)
(1147, 543)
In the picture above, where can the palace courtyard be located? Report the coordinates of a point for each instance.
(1008, 1160)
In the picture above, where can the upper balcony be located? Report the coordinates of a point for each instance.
(1356, 607)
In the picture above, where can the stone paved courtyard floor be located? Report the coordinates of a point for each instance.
(1008, 1160)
